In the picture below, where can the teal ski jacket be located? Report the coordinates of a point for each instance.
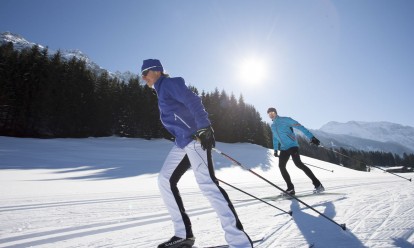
(283, 135)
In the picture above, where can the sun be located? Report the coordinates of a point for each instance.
(252, 70)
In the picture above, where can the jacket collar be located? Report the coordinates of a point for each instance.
(157, 84)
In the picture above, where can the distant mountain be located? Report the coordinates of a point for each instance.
(368, 136)
(20, 43)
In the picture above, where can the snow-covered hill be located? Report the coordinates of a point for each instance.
(102, 192)
(20, 43)
(368, 136)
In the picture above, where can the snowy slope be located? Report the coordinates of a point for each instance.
(20, 43)
(102, 192)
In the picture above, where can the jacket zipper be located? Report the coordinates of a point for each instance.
(278, 135)
(178, 117)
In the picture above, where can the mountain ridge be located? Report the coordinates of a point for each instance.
(20, 43)
(368, 136)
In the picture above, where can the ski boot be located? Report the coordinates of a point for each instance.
(319, 189)
(177, 242)
(288, 194)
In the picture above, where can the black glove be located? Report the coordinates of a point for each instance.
(315, 141)
(206, 138)
(276, 155)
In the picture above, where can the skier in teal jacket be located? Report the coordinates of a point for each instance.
(284, 139)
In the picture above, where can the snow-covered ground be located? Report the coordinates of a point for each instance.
(102, 192)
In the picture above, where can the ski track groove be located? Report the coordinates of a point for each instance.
(378, 216)
(272, 236)
(392, 210)
(372, 209)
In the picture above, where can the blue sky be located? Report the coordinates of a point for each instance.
(319, 60)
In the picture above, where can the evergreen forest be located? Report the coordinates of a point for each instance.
(47, 96)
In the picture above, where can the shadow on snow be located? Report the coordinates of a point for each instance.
(321, 232)
(109, 157)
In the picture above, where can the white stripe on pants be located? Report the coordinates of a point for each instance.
(234, 234)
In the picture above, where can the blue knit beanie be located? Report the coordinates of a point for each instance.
(271, 110)
(151, 64)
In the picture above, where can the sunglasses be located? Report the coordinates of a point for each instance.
(145, 73)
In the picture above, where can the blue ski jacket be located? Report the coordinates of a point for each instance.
(181, 110)
(283, 135)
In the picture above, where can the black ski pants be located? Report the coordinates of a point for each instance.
(283, 159)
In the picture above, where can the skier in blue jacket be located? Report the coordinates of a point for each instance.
(284, 139)
(184, 116)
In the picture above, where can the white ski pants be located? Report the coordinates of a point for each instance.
(175, 165)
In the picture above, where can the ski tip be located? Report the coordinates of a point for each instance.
(343, 226)
(290, 213)
(410, 179)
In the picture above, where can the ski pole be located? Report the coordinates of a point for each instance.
(343, 226)
(287, 212)
(319, 167)
(409, 179)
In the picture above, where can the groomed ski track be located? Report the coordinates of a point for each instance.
(374, 217)
(74, 207)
